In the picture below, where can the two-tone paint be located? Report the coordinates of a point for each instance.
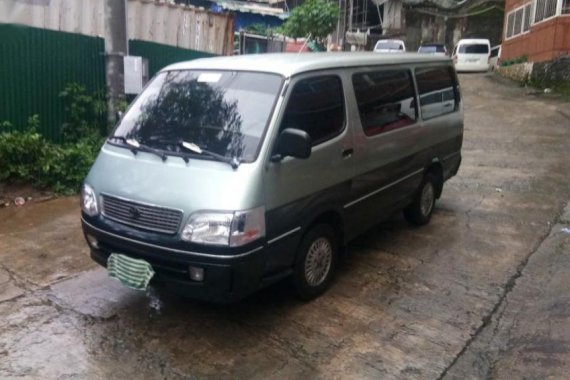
(351, 181)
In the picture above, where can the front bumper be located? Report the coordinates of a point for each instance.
(227, 278)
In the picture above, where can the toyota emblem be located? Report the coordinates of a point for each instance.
(134, 213)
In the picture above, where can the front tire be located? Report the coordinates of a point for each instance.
(420, 211)
(315, 262)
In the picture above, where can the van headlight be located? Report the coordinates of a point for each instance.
(229, 229)
(89, 200)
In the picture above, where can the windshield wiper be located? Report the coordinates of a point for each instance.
(137, 146)
(233, 162)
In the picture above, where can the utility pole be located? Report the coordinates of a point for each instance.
(116, 47)
(350, 14)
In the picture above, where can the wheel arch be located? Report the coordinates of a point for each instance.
(436, 168)
(334, 218)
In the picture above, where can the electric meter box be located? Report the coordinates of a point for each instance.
(136, 74)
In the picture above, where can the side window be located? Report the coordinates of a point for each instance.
(316, 105)
(385, 100)
(437, 90)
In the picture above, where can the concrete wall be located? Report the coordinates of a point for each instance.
(174, 25)
(520, 72)
(543, 74)
(556, 71)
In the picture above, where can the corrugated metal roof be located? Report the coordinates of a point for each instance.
(443, 4)
(251, 7)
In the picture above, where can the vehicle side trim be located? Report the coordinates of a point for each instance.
(284, 235)
(172, 249)
(383, 188)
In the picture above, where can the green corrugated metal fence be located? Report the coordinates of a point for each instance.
(37, 64)
(162, 55)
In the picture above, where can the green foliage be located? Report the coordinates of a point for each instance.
(84, 113)
(259, 29)
(19, 153)
(317, 18)
(515, 61)
(26, 157)
(65, 167)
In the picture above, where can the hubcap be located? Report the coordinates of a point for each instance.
(426, 200)
(318, 262)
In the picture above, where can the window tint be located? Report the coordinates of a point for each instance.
(388, 45)
(316, 105)
(474, 49)
(432, 49)
(437, 90)
(385, 100)
(225, 112)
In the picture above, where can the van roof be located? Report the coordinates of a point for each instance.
(288, 64)
(474, 41)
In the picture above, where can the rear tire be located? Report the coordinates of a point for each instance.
(420, 211)
(315, 262)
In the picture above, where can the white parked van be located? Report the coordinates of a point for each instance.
(495, 57)
(472, 55)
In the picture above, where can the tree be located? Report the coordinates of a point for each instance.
(316, 18)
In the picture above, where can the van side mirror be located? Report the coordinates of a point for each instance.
(294, 143)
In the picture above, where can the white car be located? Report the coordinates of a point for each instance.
(472, 55)
(390, 46)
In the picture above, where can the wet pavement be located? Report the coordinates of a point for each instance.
(481, 292)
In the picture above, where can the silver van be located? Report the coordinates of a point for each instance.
(229, 174)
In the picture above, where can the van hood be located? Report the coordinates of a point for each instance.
(200, 184)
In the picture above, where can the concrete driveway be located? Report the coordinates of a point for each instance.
(480, 292)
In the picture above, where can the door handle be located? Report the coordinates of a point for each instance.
(347, 153)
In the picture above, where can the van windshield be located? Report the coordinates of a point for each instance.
(224, 112)
(388, 45)
(431, 49)
(474, 49)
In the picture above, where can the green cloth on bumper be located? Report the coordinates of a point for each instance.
(133, 273)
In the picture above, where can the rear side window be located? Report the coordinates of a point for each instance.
(385, 100)
(432, 49)
(474, 49)
(316, 106)
(437, 90)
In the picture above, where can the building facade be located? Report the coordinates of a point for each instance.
(536, 29)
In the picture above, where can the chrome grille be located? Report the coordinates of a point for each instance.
(153, 218)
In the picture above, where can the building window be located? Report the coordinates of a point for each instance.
(527, 19)
(519, 20)
(566, 7)
(544, 9)
(510, 25)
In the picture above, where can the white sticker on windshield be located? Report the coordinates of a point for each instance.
(209, 77)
